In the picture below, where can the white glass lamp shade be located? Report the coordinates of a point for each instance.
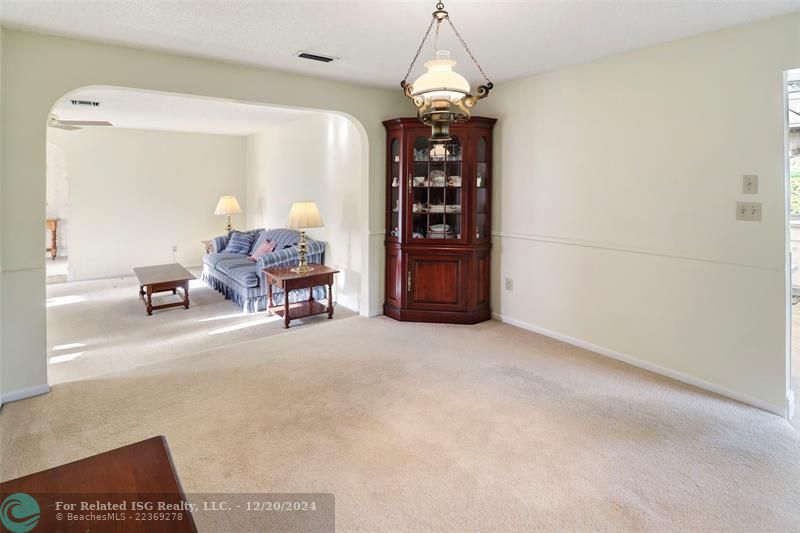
(304, 215)
(227, 205)
(441, 82)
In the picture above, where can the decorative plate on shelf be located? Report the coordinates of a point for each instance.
(440, 228)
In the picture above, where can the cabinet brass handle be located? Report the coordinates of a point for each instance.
(409, 281)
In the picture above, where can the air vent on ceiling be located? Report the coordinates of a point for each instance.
(315, 57)
(89, 103)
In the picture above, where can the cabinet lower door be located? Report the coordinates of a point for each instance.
(437, 282)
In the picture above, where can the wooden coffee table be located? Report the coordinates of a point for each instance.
(141, 472)
(163, 278)
(287, 280)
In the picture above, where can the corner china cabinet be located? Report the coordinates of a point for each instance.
(438, 217)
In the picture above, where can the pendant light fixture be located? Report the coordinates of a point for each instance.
(442, 95)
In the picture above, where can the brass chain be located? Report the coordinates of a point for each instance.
(469, 52)
(436, 37)
(438, 21)
(419, 50)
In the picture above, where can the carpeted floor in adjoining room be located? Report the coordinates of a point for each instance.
(98, 327)
(421, 427)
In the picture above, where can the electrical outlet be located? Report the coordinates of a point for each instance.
(748, 211)
(509, 284)
(174, 248)
(750, 184)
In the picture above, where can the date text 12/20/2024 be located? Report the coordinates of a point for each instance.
(212, 505)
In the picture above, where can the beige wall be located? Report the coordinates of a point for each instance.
(2, 280)
(315, 158)
(134, 194)
(40, 69)
(615, 192)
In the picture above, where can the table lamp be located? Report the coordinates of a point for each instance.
(228, 205)
(302, 216)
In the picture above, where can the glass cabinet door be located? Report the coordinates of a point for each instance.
(394, 186)
(436, 185)
(481, 190)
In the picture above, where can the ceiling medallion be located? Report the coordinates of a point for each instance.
(441, 95)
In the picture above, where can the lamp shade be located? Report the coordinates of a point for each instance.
(227, 205)
(441, 81)
(304, 215)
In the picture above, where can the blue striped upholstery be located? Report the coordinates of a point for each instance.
(283, 238)
(289, 257)
(218, 244)
(239, 243)
(240, 269)
(242, 281)
(213, 258)
(262, 237)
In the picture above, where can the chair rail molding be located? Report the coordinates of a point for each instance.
(566, 241)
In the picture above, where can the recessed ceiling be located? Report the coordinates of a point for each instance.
(145, 110)
(375, 41)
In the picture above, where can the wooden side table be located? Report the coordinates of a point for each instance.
(52, 226)
(287, 280)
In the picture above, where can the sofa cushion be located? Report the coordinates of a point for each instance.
(240, 269)
(213, 258)
(240, 243)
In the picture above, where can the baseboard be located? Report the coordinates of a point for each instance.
(28, 392)
(782, 411)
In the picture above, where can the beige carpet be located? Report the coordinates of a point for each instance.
(100, 326)
(419, 427)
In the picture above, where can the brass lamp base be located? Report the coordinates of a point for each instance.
(229, 227)
(302, 252)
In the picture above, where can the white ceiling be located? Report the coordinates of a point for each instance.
(376, 40)
(144, 110)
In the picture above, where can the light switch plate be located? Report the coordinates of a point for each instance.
(750, 184)
(748, 211)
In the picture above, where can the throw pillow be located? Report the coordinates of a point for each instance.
(264, 248)
(239, 243)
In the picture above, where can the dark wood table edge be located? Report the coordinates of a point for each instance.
(171, 463)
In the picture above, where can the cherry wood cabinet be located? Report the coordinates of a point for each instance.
(438, 222)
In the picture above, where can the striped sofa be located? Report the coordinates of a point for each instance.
(242, 280)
